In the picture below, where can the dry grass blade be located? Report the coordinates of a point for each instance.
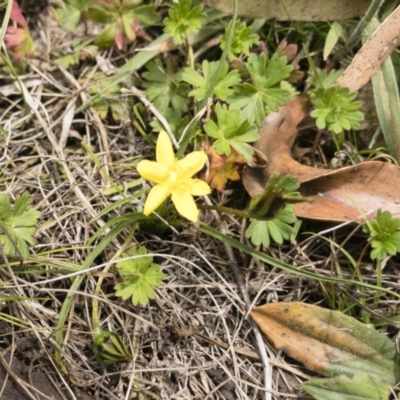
(374, 52)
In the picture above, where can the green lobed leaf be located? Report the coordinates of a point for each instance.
(140, 275)
(222, 89)
(231, 130)
(183, 18)
(278, 228)
(164, 87)
(146, 14)
(384, 235)
(323, 79)
(99, 14)
(69, 15)
(336, 109)
(265, 91)
(242, 40)
(258, 233)
(17, 225)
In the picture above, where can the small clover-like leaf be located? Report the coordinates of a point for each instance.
(336, 109)
(17, 225)
(231, 131)
(182, 18)
(384, 235)
(260, 232)
(140, 276)
(222, 89)
(243, 39)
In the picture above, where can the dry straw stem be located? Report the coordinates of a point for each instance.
(373, 53)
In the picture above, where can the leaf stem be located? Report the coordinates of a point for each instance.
(228, 210)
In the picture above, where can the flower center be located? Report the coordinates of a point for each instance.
(177, 179)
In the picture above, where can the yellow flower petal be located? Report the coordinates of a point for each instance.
(155, 197)
(198, 187)
(185, 205)
(164, 151)
(192, 163)
(152, 171)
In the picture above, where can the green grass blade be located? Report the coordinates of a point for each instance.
(6, 19)
(283, 266)
(65, 309)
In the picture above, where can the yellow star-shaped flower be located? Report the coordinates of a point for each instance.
(174, 178)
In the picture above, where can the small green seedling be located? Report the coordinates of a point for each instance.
(110, 349)
(140, 275)
(17, 225)
(272, 216)
(182, 18)
(384, 235)
(336, 109)
(231, 131)
(242, 40)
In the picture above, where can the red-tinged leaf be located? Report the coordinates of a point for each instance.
(343, 387)
(20, 42)
(287, 50)
(130, 27)
(120, 39)
(16, 15)
(328, 342)
(222, 168)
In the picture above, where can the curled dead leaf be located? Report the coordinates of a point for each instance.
(347, 194)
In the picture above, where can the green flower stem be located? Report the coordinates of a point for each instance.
(95, 303)
(221, 209)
